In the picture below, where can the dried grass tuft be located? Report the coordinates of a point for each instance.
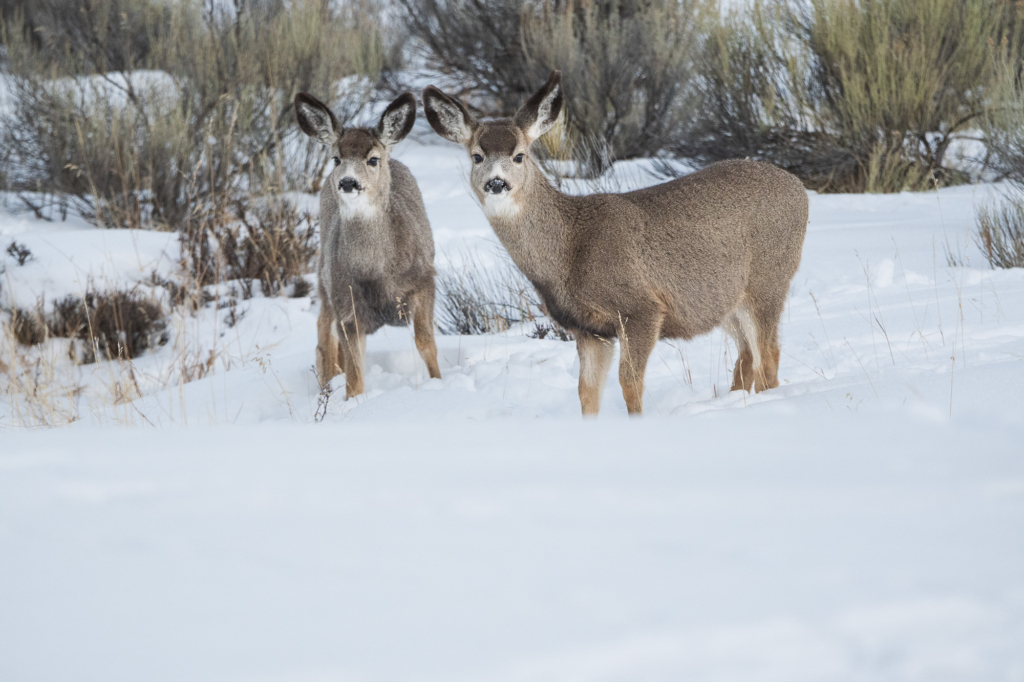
(474, 299)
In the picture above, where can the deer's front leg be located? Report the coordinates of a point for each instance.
(638, 335)
(423, 329)
(327, 360)
(595, 358)
(354, 344)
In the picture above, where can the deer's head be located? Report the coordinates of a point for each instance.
(499, 150)
(360, 178)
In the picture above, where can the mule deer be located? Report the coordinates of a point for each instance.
(376, 250)
(714, 248)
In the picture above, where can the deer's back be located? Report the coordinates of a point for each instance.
(698, 243)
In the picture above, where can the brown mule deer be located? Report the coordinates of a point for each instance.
(376, 250)
(715, 248)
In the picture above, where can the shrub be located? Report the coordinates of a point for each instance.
(473, 299)
(19, 252)
(198, 109)
(27, 328)
(115, 324)
(273, 244)
(542, 330)
(121, 323)
(1000, 225)
(1003, 122)
(627, 64)
(1000, 234)
(627, 67)
(106, 35)
(477, 43)
(850, 95)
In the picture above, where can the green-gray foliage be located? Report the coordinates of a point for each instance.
(851, 95)
(626, 64)
(198, 114)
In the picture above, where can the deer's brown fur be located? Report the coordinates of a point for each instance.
(376, 250)
(715, 248)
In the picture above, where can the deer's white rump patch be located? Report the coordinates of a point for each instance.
(743, 329)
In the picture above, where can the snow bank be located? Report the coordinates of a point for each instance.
(861, 522)
(753, 545)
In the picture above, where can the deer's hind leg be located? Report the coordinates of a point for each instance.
(638, 335)
(743, 329)
(767, 318)
(423, 328)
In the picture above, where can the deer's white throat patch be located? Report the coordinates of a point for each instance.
(356, 205)
(500, 205)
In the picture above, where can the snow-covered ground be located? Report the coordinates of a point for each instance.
(864, 521)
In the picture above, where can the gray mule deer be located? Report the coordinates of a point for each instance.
(376, 249)
(715, 248)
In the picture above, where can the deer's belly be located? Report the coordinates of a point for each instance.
(372, 304)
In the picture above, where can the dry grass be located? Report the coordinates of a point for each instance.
(273, 244)
(477, 299)
(550, 330)
(122, 323)
(40, 385)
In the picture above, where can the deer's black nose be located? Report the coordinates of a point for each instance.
(348, 184)
(496, 185)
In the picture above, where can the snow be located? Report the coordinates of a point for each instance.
(745, 545)
(861, 522)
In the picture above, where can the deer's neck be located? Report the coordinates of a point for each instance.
(366, 240)
(535, 231)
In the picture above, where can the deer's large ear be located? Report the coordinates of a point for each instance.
(447, 116)
(316, 119)
(541, 111)
(397, 119)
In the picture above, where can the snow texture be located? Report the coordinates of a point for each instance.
(863, 522)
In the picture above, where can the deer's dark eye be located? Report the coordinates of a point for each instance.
(477, 158)
(519, 158)
(337, 161)
(373, 161)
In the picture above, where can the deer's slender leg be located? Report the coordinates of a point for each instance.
(354, 343)
(340, 345)
(595, 359)
(327, 359)
(742, 326)
(423, 329)
(743, 372)
(767, 317)
(638, 335)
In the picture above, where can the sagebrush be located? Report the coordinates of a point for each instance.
(135, 112)
(851, 95)
(1000, 232)
(627, 64)
(115, 324)
(272, 244)
(476, 299)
